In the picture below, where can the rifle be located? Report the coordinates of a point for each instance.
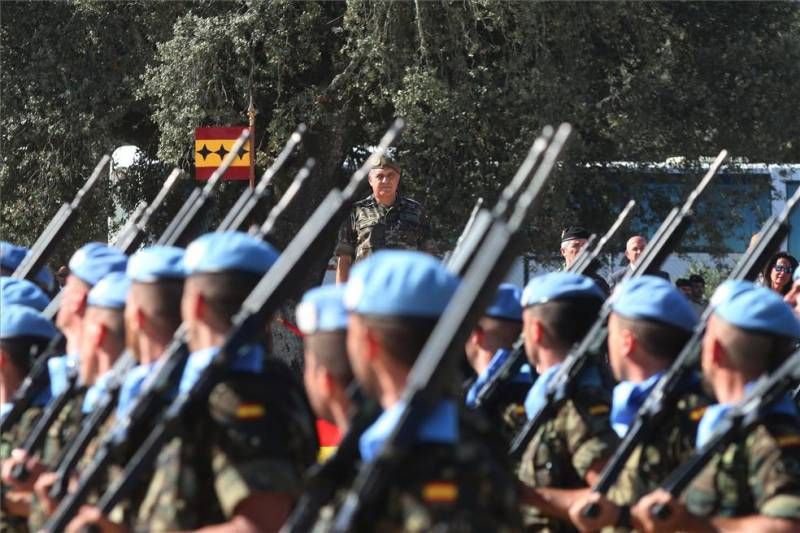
(137, 212)
(593, 345)
(666, 392)
(470, 222)
(127, 241)
(473, 240)
(250, 198)
(768, 389)
(278, 284)
(183, 227)
(587, 258)
(486, 271)
(66, 216)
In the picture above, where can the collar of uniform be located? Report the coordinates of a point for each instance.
(714, 414)
(58, 368)
(95, 392)
(627, 398)
(537, 396)
(5, 407)
(250, 358)
(132, 386)
(494, 366)
(440, 425)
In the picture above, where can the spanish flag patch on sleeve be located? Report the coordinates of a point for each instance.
(440, 492)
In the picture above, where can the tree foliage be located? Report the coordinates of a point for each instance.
(475, 80)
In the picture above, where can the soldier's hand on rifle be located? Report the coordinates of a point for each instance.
(42, 489)
(34, 467)
(676, 519)
(89, 516)
(608, 514)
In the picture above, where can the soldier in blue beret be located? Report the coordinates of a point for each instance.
(23, 331)
(651, 321)
(395, 299)
(567, 451)
(257, 436)
(102, 343)
(322, 319)
(753, 484)
(487, 349)
(11, 256)
(22, 292)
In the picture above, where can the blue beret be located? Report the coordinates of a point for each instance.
(11, 257)
(399, 283)
(22, 292)
(22, 321)
(95, 260)
(560, 286)
(506, 304)
(228, 250)
(111, 291)
(654, 298)
(754, 308)
(322, 309)
(156, 263)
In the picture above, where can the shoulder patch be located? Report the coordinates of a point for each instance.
(697, 413)
(786, 441)
(440, 492)
(599, 409)
(250, 411)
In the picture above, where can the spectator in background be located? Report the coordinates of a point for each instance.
(698, 290)
(633, 249)
(686, 287)
(778, 272)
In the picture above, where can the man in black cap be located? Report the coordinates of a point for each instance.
(573, 239)
(382, 220)
(698, 290)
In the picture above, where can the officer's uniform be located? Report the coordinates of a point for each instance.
(759, 474)
(564, 447)
(456, 482)
(17, 320)
(506, 409)
(653, 299)
(372, 226)
(255, 434)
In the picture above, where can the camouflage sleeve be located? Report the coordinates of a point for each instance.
(590, 437)
(346, 240)
(775, 472)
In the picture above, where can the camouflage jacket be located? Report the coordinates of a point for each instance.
(9, 440)
(663, 450)
(452, 487)
(371, 227)
(758, 475)
(256, 434)
(564, 448)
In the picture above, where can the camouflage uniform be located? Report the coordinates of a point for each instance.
(563, 449)
(462, 487)
(256, 434)
(62, 432)
(759, 475)
(9, 440)
(664, 449)
(372, 226)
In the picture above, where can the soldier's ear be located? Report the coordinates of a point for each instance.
(628, 341)
(373, 344)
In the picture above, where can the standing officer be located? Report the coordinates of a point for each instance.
(456, 483)
(382, 220)
(487, 349)
(650, 323)
(568, 451)
(573, 239)
(753, 484)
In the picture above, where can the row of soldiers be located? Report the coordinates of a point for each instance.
(169, 409)
(239, 460)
